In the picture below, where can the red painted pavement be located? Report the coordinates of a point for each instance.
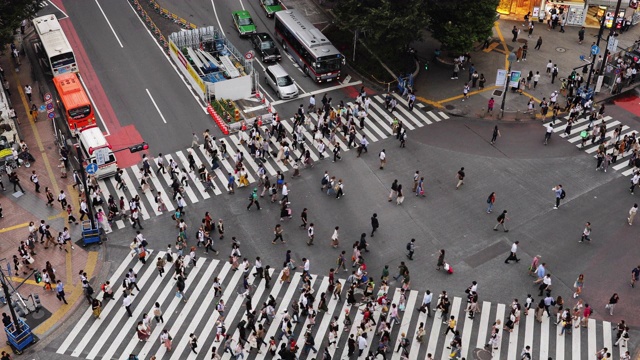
(631, 103)
(353, 91)
(121, 136)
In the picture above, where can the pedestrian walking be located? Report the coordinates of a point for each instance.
(35, 181)
(375, 224)
(491, 201)
(496, 134)
(253, 199)
(335, 238)
(400, 198)
(613, 300)
(554, 73)
(440, 263)
(513, 256)
(383, 158)
(538, 43)
(193, 342)
(578, 284)
(460, 176)
(490, 105)
(581, 35)
(586, 233)
(394, 189)
(632, 213)
(515, 32)
(411, 248)
(28, 91)
(277, 231)
(465, 91)
(502, 219)
(560, 194)
(60, 292)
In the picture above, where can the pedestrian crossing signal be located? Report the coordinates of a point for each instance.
(38, 277)
(138, 147)
(426, 65)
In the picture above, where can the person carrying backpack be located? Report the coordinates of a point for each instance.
(560, 194)
(411, 248)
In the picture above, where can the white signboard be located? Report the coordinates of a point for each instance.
(599, 83)
(501, 77)
(612, 44)
(101, 155)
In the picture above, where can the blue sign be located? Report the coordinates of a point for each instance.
(51, 115)
(49, 106)
(595, 50)
(92, 168)
(42, 108)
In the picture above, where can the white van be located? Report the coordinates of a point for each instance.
(97, 150)
(281, 82)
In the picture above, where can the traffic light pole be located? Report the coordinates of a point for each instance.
(611, 34)
(593, 56)
(83, 176)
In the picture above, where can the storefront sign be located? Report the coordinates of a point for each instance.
(514, 79)
(536, 12)
(501, 77)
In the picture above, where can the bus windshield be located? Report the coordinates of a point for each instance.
(62, 60)
(80, 112)
(323, 66)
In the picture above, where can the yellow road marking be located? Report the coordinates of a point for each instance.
(504, 45)
(470, 93)
(430, 102)
(36, 134)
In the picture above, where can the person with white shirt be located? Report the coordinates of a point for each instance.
(426, 303)
(362, 343)
(285, 193)
(634, 181)
(126, 303)
(548, 133)
(513, 256)
(306, 266)
(383, 158)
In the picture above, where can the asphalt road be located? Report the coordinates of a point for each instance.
(137, 74)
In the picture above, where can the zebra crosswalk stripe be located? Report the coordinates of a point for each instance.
(114, 335)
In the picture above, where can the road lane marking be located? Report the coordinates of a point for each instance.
(326, 90)
(156, 105)
(86, 89)
(109, 23)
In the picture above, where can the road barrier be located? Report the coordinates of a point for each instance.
(150, 24)
(171, 16)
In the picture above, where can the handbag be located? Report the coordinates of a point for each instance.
(291, 266)
(30, 260)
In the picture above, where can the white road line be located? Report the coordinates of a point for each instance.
(455, 310)
(184, 81)
(326, 320)
(192, 174)
(109, 23)
(193, 323)
(132, 189)
(466, 333)
(184, 312)
(96, 346)
(232, 154)
(575, 340)
(529, 327)
(323, 288)
(433, 116)
(324, 90)
(444, 116)
(275, 324)
(500, 311)
(544, 337)
(208, 329)
(343, 312)
(591, 336)
(512, 352)
(192, 195)
(156, 105)
(75, 331)
(484, 324)
(104, 123)
(406, 320)
(216, 189)
(434, 334)
(216, 14)
(55, 6)
(559, 341)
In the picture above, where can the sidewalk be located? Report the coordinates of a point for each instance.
(561, 48)
(19, 209)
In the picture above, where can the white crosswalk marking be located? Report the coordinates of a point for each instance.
(377, 127)
(582, 124)
(114, 335)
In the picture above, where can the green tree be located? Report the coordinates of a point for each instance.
(12, 12)
(389, 25)
(458, 24)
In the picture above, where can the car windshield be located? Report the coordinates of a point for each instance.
(285, 81)
(245, 21)
(270, 2)
(266, 45)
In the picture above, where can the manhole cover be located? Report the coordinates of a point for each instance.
(449, 107)
(497, 92)
(481, 354)
(561, 49)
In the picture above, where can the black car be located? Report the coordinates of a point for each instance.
(266, 47)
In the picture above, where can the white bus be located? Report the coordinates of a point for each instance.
(313, 52)
(57, 49)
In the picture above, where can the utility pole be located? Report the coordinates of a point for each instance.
(7, 296)
(593, 56)
(612, 33)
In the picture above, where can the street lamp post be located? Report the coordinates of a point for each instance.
(510, 60)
